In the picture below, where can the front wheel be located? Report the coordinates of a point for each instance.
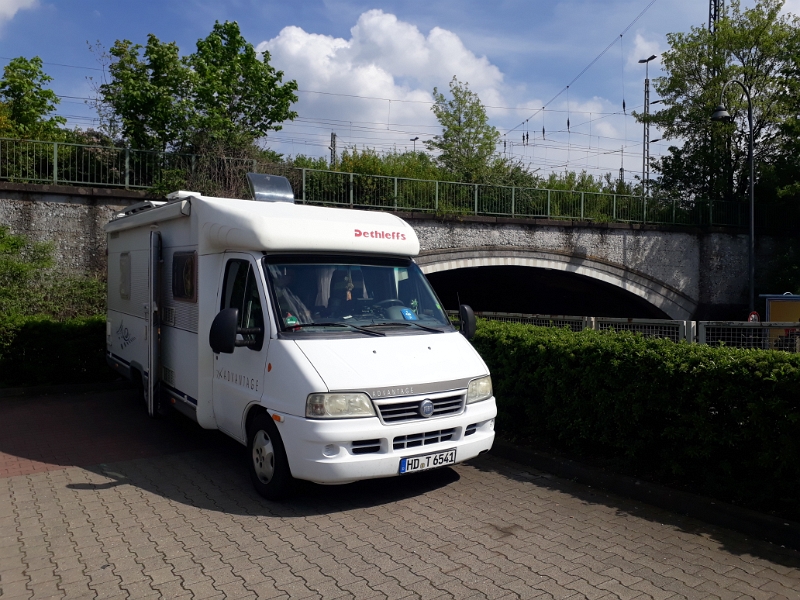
(267, 463)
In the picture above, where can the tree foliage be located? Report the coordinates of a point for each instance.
(467, 143)
(26, 105)
(749, 45)
(28, 288)
(223, 92)
(149, 94)
(413, 165)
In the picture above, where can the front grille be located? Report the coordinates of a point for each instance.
(365, 446)
(408, 410)
(422, 439)
(471, 429)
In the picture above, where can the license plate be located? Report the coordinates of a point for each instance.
(412, 464)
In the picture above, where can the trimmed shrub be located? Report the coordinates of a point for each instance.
(723, 421)
(41, 351)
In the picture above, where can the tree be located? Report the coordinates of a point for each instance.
(748, 45)
(221, 95)
(466, 145)
(27, 106)
(149, 96)
(237, 95)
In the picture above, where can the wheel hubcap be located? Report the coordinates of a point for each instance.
(263, 457)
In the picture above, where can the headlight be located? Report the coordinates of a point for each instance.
(336, 406)
(479, 389)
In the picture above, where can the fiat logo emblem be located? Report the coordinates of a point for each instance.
(425, 408)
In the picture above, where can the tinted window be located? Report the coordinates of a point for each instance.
(184, 276)
(240, 291)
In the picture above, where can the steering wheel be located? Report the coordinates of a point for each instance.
(389, 302)
(384, 304)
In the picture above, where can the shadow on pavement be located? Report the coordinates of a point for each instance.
(731, 541)
(46, 432)
(171, 457)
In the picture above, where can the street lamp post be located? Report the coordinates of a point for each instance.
(414, 139)
(720, 114)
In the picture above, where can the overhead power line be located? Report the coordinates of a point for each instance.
(59, 64)
(586, 68)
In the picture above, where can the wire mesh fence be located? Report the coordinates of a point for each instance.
(101, 166)
(654, 328)
(763, 336)
(573, 323)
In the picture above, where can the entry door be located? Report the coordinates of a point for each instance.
(153, 322)
(239, 377)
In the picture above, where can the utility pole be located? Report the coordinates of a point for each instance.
(646, 136)
(716, 8)
(333, 150)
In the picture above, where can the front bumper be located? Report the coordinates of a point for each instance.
(323, 451)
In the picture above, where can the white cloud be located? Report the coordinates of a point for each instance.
(384, 58)
(645, 48)
(9, 8)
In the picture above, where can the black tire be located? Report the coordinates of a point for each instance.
(141, 394)
(141, 391)
(266, 460)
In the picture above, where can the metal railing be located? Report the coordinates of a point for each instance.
(103, 166)
(736, 334)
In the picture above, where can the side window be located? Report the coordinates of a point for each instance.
(125, 276)
(240, 291)
(184, 276)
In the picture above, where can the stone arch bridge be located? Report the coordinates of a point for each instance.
(685, 273)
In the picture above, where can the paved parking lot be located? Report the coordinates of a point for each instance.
(98, 501)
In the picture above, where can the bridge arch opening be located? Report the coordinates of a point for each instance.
(522, 289)
(549, 282)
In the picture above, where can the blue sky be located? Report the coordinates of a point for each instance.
(516, 55)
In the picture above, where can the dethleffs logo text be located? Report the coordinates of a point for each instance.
(381, 235)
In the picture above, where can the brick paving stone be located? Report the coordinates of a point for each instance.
(170, 513)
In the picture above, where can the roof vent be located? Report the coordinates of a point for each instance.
(270, 188)
(140, 206)
(182, 195)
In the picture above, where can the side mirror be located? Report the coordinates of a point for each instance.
(467, 321)
(222, 336)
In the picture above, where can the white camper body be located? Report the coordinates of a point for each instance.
(358, 381)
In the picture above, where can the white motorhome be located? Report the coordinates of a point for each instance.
(307, 333)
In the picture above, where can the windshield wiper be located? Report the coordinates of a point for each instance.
(333, 324)
(405, 324)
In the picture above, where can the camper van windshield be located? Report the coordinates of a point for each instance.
(372, 295)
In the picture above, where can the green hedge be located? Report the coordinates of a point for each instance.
(724, 421)
(43, 351)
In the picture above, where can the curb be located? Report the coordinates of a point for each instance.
(77, 388)
(757, 525)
